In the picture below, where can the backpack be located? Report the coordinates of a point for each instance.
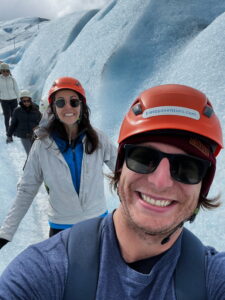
(83, 268)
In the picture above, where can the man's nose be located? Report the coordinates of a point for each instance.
(161, 177)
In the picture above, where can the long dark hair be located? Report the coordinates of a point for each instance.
(84, 125)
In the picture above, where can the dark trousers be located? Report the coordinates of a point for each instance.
(8, 107)
(27, 143)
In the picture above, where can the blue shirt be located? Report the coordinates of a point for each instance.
(73, 156)
(40, 272)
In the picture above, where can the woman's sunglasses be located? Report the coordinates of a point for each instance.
(61, 102)
(183, 168)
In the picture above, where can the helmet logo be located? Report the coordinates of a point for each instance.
(171, 111)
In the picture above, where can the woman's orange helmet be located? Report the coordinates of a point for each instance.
(68, 83)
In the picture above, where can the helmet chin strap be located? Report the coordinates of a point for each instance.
(190, 219)
(167, 238)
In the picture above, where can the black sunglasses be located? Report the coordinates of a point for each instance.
(61, 102)
(183, 168)
(5, 71)
(26, 101)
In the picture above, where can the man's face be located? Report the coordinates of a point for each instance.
(156, 203)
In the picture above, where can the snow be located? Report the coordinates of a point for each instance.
(116, 53)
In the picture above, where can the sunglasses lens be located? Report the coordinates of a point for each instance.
(141, 159)
(60, 103)
(183, 168)
(74, 102)
(187, 169)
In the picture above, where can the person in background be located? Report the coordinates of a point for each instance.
(24, 119)
(0, 74)
(43, 104)
(0, 67)
(68, 154)
(9, 93)
(168, 144)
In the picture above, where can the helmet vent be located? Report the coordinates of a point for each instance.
(208, 111)
(137, 110)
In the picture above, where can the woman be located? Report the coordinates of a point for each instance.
(24, 119)
(9, 93)
(68, 155)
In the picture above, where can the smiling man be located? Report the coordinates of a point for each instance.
(166, 162)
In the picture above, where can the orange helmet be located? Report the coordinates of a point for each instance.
(68, 83)
(176, 107)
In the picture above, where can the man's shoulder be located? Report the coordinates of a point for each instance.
(50, 253)
(42, 266)
(55, 244)
(215, 273)
(215, 259)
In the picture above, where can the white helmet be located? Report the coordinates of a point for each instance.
(25, 93)
(4, 66)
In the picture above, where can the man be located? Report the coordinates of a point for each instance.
(166, 162)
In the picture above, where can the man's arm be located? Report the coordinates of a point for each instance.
(39, 272)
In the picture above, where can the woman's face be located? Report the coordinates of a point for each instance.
(26, 101)
(67, 106)
(5, 72)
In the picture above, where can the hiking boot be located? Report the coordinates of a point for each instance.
(9, 139)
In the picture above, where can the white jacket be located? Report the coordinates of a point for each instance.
(8, 88)
(46, 163)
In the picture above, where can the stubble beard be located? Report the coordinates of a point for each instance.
(146, 232)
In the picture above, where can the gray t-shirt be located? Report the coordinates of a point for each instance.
(40, 272)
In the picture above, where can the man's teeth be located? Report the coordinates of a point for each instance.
(69, 115)
(161, 203)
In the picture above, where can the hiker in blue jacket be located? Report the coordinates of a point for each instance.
(68, 155)
(168, 144)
